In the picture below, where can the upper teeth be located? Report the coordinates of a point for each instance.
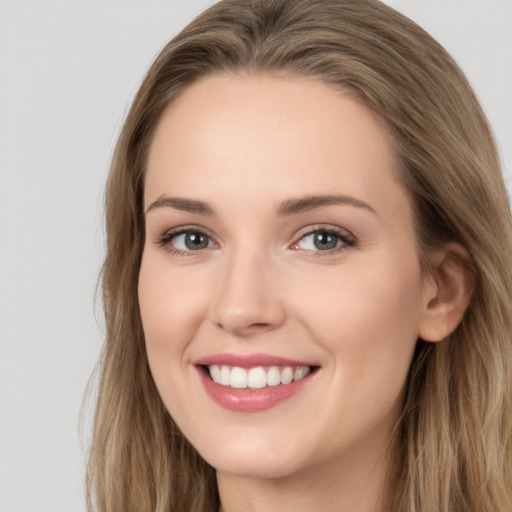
(257, 377)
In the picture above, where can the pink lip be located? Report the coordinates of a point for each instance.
(249, 400)
(248, 360)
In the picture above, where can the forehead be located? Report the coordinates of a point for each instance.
(264, 136)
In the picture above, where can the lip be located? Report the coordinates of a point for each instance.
(249, 360)
(250, 400)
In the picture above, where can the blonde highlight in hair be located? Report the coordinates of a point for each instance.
(453, 444)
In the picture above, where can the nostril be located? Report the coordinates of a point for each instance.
(248, 329)
(258, 327)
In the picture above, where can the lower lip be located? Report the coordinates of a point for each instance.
(250, 400)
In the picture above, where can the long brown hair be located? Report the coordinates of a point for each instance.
(454, 438)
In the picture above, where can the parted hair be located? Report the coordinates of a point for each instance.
(452, 447)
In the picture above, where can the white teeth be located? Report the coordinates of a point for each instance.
(273, 376)
(215, 373)
(225, 376)
(257, 377)
(238, 378)
(286, 375)
(301, 372)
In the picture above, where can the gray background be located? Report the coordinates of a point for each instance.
(68, 70)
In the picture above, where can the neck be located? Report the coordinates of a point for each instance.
(359, 484)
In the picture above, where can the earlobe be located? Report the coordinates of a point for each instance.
(447, 292)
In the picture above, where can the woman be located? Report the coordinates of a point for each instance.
(305, 291)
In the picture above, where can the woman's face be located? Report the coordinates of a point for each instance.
(278, 245)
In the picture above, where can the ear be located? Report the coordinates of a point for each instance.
(447, 292)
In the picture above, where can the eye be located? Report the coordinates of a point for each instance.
(325, 240)
(186, 241)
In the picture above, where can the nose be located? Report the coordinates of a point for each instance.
(249, 296)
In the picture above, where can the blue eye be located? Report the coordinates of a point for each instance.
(325, 240)
(186, 241)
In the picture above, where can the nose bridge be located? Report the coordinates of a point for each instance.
(248, 298)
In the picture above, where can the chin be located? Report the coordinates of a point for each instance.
(248, 460)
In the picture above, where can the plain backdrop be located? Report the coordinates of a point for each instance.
(68, 70)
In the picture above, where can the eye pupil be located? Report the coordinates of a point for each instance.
(194, 241)
(325, 241)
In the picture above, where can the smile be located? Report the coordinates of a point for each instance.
(256, 378)
(252, 383)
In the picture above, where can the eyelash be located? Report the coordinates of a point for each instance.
(347, 240)
(166, 239)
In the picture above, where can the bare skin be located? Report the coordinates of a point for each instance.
(275, 225)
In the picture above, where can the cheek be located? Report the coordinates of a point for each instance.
(368, 324)
(170, 308)
(367, 317)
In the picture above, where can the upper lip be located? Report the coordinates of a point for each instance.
(248, 360)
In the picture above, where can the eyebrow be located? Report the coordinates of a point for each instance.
(306, 204)
(180, 203)
(286, 208)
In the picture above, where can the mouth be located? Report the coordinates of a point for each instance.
(257, 377)
(252, 383)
